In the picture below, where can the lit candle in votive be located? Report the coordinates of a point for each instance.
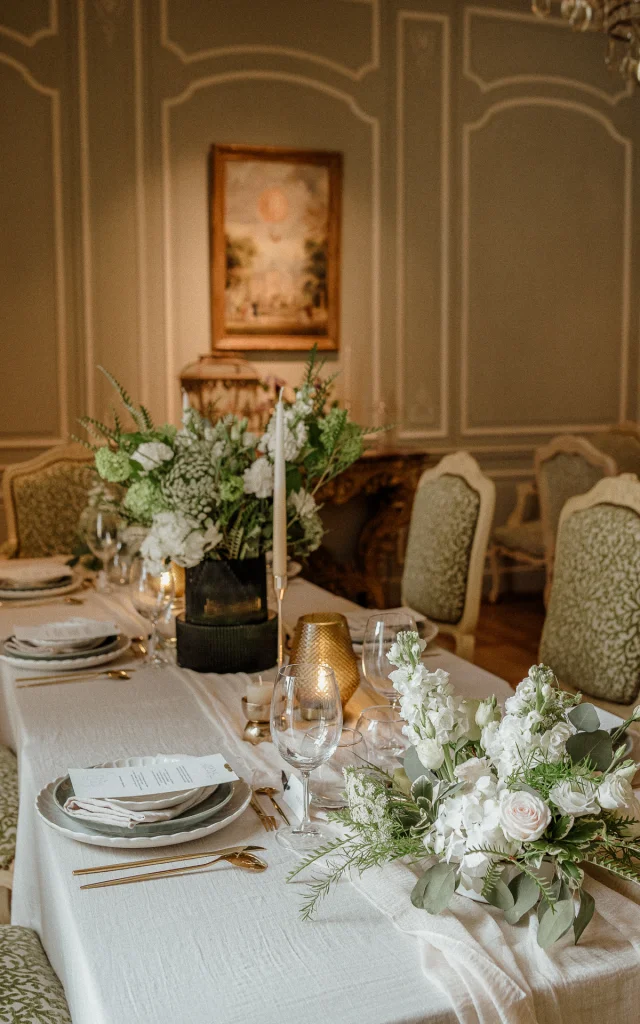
(260, 692)
(279, 565)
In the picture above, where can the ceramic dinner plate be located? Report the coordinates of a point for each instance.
(109, 643)
(29, 595)
(150, 801)
(74, 661)
(55, 818)
(217, 797)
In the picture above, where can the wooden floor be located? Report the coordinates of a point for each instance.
(508, 636)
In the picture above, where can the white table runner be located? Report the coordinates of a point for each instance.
(226, 947)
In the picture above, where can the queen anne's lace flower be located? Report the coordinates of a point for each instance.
(190, 483)
(367, 802)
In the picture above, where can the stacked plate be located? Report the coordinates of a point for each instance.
(75, 643)
(184, 816)
(358, 623)
(36, 579)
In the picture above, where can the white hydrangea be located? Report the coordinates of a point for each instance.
(258, 479)
(179, 538)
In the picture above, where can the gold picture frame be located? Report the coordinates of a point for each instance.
(275, 248)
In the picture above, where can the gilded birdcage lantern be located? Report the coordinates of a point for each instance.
(218, 384)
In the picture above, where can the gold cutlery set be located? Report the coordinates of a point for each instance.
(242, 857)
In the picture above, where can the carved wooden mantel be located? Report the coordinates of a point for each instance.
(390, 476)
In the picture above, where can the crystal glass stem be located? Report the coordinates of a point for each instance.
(306, 824)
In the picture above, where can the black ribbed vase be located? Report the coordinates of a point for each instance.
(226, 625)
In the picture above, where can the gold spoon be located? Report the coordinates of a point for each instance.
(40, 604)
(24, 682)
(246, 861)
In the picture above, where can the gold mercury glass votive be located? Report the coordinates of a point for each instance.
(324, 637)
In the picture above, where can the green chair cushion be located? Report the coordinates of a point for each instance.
(443, 525)
(591, 636)
(8, 806)
(526, 537)
(48, 506)
(567, 474)
(30, 991)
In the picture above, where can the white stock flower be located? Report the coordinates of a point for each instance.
(303, 503)
(430, 753)
(152, 454)
(576, 797)
(258, 478)
(295, 435)
(523, 815)
(488, 711)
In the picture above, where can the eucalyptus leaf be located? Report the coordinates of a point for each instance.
(422, 788)
(440, 888)
(584, 717)
(419, 889)
(500, 896)
(596, 746)
(585, 913)
(555, 922)
(525, 894)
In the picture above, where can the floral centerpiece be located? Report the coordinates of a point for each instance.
(505, 807)
(205, 491)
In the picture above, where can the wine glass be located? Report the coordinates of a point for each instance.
(99, 528)
(381, 730)
(151, 595)
(327, 785)
(381, 632)
(306, 724)
(129, 542)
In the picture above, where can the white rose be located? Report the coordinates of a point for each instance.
(152, 454)
(615, 791)
(430, 754)
(523, 816)
(473, 769)
(554, 741)
(576, 797)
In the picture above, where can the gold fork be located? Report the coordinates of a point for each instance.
(269, 823)
(270, 792)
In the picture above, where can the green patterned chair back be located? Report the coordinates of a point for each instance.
(622, 446)
(591, 636)
(567, 466)
(443, 526)
(44, 499)
(8, 807)
(30, 990)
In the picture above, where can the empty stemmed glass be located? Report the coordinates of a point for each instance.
(381, 632)
(100, 530)
(151, 595)
(306, 725)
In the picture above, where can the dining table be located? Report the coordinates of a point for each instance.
(224, 946)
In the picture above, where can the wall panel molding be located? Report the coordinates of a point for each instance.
(49, 30)
(504, 81)
(85, 205)
(240, 50)
(404, 17)
(141, 200)
(59, 265)
(468, 129)
(279, 76)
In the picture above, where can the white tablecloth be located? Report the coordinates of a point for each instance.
(228, 947)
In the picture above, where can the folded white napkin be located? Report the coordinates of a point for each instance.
(13, 573)
(74, 630)
(110, 812)
(358, 620)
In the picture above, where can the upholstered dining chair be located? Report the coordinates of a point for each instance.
(565, 467)
(30, 990)
(43, 500)
(8, 827)
(622, 443)
(447, 545)
(591, 635)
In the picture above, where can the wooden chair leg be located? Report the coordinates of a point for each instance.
(6, 880)
(465, 646)
(494, 565)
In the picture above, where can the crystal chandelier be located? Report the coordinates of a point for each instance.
(619, 21)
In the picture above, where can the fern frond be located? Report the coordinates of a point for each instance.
(98, 429)
(146, 415)
(85, 444)
(493, 874)
(125, 398)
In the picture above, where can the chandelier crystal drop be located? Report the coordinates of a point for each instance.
(619, 21)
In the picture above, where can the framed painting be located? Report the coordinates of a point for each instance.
(275, 248)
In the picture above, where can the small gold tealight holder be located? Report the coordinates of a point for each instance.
(257, 728)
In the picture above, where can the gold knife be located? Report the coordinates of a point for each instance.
(164, 860)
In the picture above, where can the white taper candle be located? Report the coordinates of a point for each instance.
(279, 497)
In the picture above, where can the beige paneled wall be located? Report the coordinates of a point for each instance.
(490, 291)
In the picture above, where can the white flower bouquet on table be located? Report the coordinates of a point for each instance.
(506, 807)
(205, 490)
